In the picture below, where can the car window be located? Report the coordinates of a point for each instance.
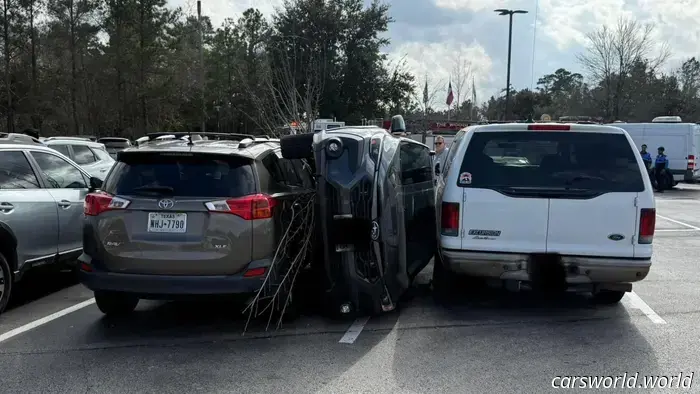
(574, 160)
(59, 173)
(15, 171)
(101, 154)
(83, 155)
(415, 163)
(188, 176)
(288, 171)
(454, 146)
(61, 148)
(271, 174)
(304, 171)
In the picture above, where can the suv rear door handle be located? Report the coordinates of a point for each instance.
(64, 203)
(6, 207)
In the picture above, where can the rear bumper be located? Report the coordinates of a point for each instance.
(162, 286)
(580, 270)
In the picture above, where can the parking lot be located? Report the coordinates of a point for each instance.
(493, 340)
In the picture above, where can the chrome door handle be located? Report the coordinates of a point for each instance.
(64, 204)
(6, 207)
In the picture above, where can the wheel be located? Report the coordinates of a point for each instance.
(443, 280)
(608, 297)
(297, 146)
(5, 283)
(113, 303)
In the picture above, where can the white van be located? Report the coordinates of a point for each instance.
(681, 140)
(545, 205)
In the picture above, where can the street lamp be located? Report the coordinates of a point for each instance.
(510, 44)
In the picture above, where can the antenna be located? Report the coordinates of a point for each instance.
(189, 137)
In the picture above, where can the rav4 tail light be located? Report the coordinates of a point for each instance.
(257, 206)
(99, 202)
(449, 220)
(647, 225)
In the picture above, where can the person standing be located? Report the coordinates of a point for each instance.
(440, 153)
(646, 156)
(660, 166)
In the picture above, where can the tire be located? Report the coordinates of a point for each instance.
(443, 280)
(297, 146)
(608, 297)
(113, 303)
(7, 282)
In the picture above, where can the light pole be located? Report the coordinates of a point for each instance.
(510, 14)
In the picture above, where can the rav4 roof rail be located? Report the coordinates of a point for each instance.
(222, 136)
(252, 141)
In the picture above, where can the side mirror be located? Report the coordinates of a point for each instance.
(95, 183)
(432, 153)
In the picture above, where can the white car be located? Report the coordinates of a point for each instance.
(548, 206)
(91, 156)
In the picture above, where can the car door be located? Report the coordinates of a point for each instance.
(390, 213)
(68, 185)
(27, 210)
(418, 194)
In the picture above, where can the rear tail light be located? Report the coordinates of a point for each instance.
(548, 127)
(647, 224)
(691, 162)
(449, 221)
(99, 202)
(257, 206)
(253, 272)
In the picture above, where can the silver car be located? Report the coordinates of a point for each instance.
(91, 156)
(41, 210)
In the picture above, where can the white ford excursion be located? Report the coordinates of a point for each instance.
(549, 206)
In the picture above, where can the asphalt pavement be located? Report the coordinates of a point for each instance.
(490, 341)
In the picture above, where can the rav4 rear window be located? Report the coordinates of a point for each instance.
(183, 176)
(569, 160)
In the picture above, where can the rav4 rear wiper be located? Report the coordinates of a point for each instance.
(155, 189)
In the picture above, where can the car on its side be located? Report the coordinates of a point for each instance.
(177, 218)
(92, 156)
(576, 212)
(41, 210)
(375, 211)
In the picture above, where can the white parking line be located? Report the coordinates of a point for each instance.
(679, 222)
(40, 322)
(354, 330)
(636, 302)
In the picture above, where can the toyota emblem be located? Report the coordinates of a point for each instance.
(375, 231)
(166, 203)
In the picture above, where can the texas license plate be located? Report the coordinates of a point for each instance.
(159, 222)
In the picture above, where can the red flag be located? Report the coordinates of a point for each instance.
(450, 95)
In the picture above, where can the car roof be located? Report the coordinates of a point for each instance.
(71, 141)
(575, 127)
(245, 148)
(21, 146)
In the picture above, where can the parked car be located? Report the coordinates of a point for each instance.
(577, 213)
(115, 145)
(375, 214)
(92, 156)
(41, 210)
(178, 218)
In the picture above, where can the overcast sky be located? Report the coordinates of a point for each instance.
(429, 34)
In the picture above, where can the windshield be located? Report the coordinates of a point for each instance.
(552, 160)
(181, 176)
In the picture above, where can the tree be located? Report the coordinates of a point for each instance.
(461, 73)
(611, 54)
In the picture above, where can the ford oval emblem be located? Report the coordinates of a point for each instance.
(375, 231)
(616, 237)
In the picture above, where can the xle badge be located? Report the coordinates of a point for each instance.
(375, 231)
(465, 178)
